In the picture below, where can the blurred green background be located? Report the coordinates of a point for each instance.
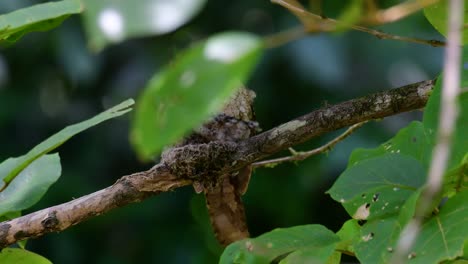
(52, 79)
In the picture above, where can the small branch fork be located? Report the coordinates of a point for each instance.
(313, 23)
(302, 155)
(191, 162)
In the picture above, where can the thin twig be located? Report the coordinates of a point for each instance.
(195, 161)
(302, 155)
(446, 127)
(382, 35)
(400, 11)
(283, 37)
(314, 23)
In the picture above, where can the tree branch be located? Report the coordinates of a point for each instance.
(181, 166)
(128, 189)
(331, 118)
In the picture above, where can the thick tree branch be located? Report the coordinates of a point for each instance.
(334, 117)
(128, 189)
(181, 166)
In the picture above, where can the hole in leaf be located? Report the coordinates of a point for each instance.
(375, 197)
(362, 212)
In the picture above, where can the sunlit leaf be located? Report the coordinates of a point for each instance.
(299, 244)
(191, 89)
(40, 17)
(21, 256)
(111, 21)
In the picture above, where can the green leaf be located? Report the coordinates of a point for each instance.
(412, 140)
(457, 261)
(193, 88)
(40, 17)
(9, 216)
(376, 243)
(112, 21)
(299, 244)
(378, 237)
(30, 184)
(431, 119)
(456, 180)
(22, 243)
(377, 187)
(437, 14)
(21, 256)
(351, 15)
(10, 168)
(444, 235)
(349, 235)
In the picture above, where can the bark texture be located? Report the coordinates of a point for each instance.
(212, 161)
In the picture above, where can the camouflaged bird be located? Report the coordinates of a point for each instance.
(223, 192)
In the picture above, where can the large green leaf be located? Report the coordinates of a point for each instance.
(21, 256)
(459, 151)
(437, 14)
(443, 236)
(10, 168)
(39, 17)
(378, 187)
(299, 244)
(378, 237)
(111, 21)
(412, 140)
(191, 89)
(30, 184)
